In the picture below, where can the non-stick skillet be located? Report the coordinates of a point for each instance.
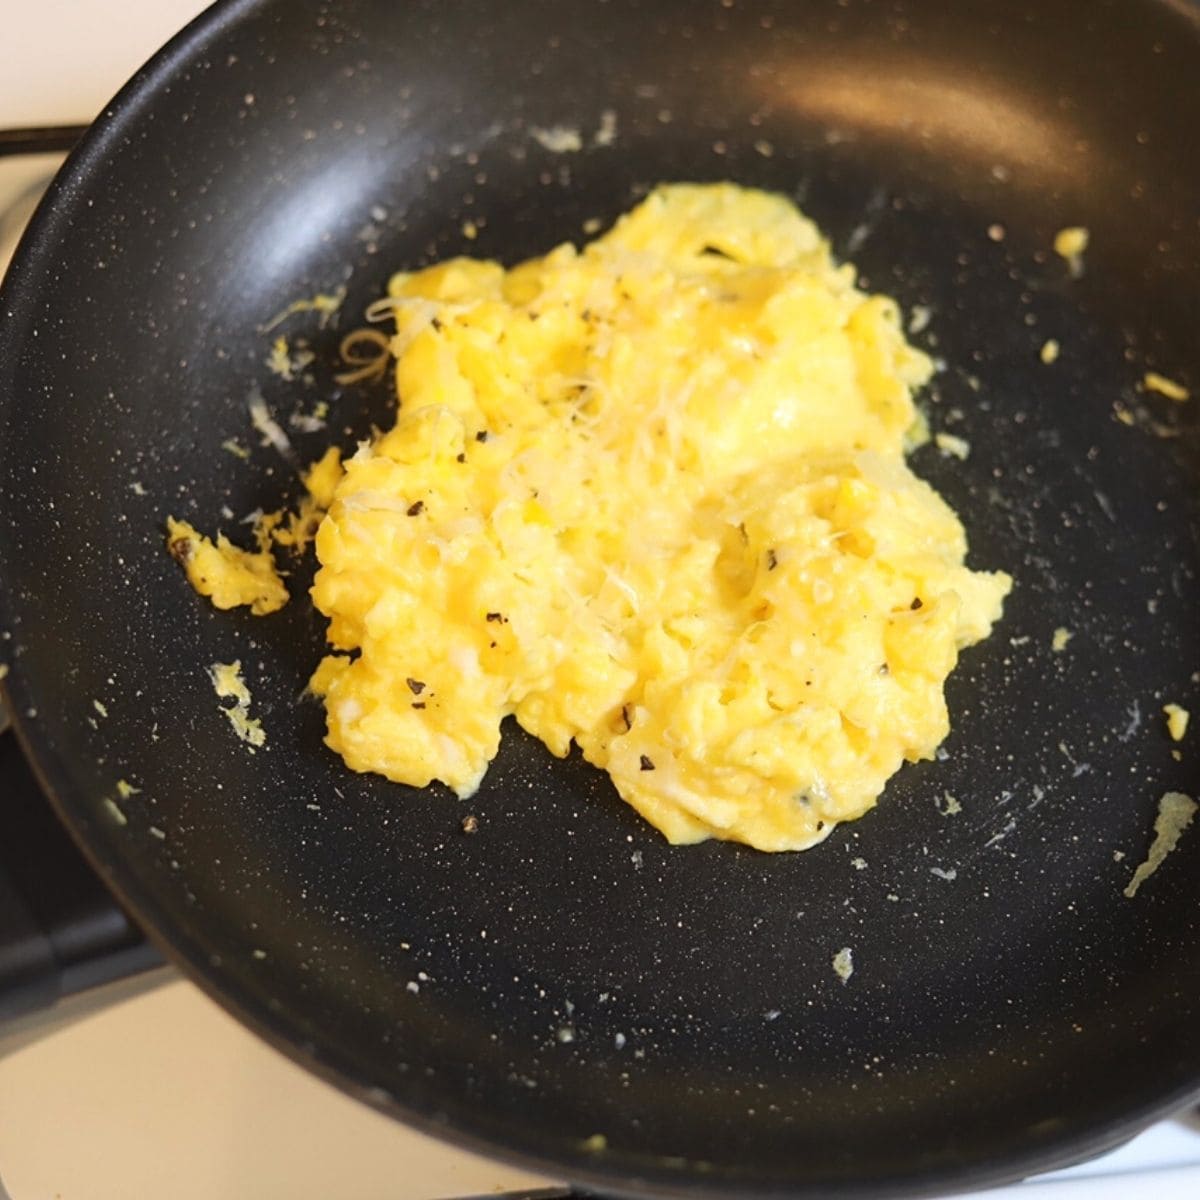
(561, 987)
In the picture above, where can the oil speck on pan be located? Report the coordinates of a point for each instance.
(1175, 813)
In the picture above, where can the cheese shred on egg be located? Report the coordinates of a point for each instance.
(650, 497)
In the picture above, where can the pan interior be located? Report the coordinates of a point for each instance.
(561, 985)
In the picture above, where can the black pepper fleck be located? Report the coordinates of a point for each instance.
(482, 436)
(647, 764)
(418, 704)
(460, 458)
(500, 617)
(772, 561)
(416, 508)
(625, 715)
(916, 603)
(416, 686)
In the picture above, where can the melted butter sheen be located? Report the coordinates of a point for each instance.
(651, 497)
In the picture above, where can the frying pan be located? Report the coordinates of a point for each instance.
(561, 987)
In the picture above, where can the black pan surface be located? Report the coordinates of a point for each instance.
(562, 973)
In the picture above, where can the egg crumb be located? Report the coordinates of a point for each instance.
(228, 575)
(557, 139)
(114, 810)
(1062, 636)
(232, 576)
(951, 806)
(285, 363)
(1070, 244)
(1049, 351)
(1175, 813)
(843, 963)
(1177, 721)
(229, 685)
(311, 422)
(606, 131)
(650, 497)
(958, 447)
(1152, 381)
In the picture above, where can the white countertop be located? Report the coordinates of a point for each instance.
(161, 1094)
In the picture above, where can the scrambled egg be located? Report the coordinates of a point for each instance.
(231, 576)
(649, 497)
(227, 574)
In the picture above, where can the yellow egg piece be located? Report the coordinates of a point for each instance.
(227, 574)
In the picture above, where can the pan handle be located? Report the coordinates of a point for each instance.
(546, 1193)
(44, 139)
(61, 932)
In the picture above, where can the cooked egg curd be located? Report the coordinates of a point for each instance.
(650, 496)
(230, 576)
